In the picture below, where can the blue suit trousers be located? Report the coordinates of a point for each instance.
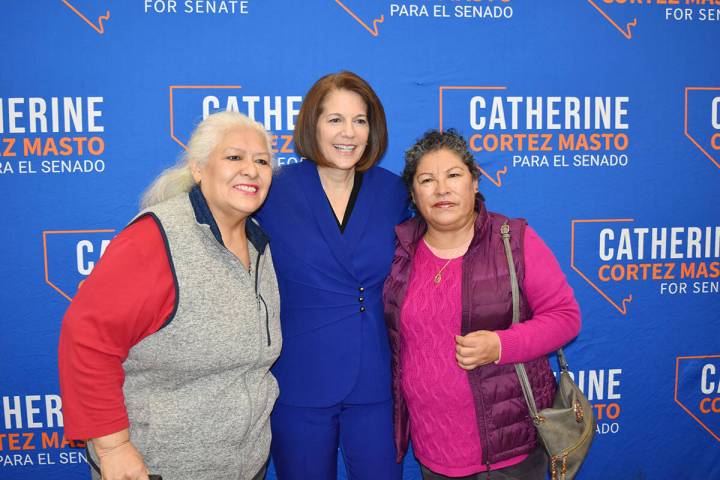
(305, 442)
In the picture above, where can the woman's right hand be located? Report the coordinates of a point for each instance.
(476, 349)
(119, 459)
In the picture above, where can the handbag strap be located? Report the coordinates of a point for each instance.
(519, 367)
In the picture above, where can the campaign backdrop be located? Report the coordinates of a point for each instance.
(597, 120)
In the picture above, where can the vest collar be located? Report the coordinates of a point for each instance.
(203, 215)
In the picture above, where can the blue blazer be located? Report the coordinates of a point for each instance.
(335, 345)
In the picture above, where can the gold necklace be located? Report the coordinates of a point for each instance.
(438, 276)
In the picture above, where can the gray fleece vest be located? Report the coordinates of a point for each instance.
(199, 391)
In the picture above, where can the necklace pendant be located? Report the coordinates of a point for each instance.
(437, 278)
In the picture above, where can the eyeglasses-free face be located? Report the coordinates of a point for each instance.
(443, 190)
(237, 175)
(343, 129)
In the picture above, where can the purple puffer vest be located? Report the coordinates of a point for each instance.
(504, 423)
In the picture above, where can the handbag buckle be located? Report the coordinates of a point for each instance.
(579, 415)
(538, 419)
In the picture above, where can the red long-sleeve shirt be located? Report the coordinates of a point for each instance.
(128, 296)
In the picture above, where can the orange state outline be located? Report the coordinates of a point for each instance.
(627, 33)
(172, 113)
(100, 28)
(687, 132)
(373, 31)
(45, 256)
(677, 377)
(622, 308)
(494, 178)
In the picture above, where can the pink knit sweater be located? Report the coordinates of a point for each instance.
(443, 425)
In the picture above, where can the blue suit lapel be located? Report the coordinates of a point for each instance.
(324, 217)
(361, 212)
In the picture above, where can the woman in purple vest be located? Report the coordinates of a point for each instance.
(448, 307)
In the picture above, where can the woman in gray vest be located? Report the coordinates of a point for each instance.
(165, 351)
(448, 306)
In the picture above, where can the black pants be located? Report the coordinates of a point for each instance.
(534, 467)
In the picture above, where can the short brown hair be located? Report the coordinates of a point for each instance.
(305, 135)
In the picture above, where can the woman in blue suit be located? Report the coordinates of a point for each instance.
(331, 222)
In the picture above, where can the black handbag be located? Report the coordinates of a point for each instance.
(566, 429)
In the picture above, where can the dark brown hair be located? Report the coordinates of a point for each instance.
(305, 135)
(432, 141)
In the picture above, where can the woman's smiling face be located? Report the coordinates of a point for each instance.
(342, 129)
(237, 175)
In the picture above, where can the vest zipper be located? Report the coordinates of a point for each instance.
(261, 299)
(485, 444)
(267, 320)
(486, 441)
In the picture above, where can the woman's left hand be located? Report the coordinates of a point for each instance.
(477, 348)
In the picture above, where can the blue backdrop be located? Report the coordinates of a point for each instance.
(598, 121)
